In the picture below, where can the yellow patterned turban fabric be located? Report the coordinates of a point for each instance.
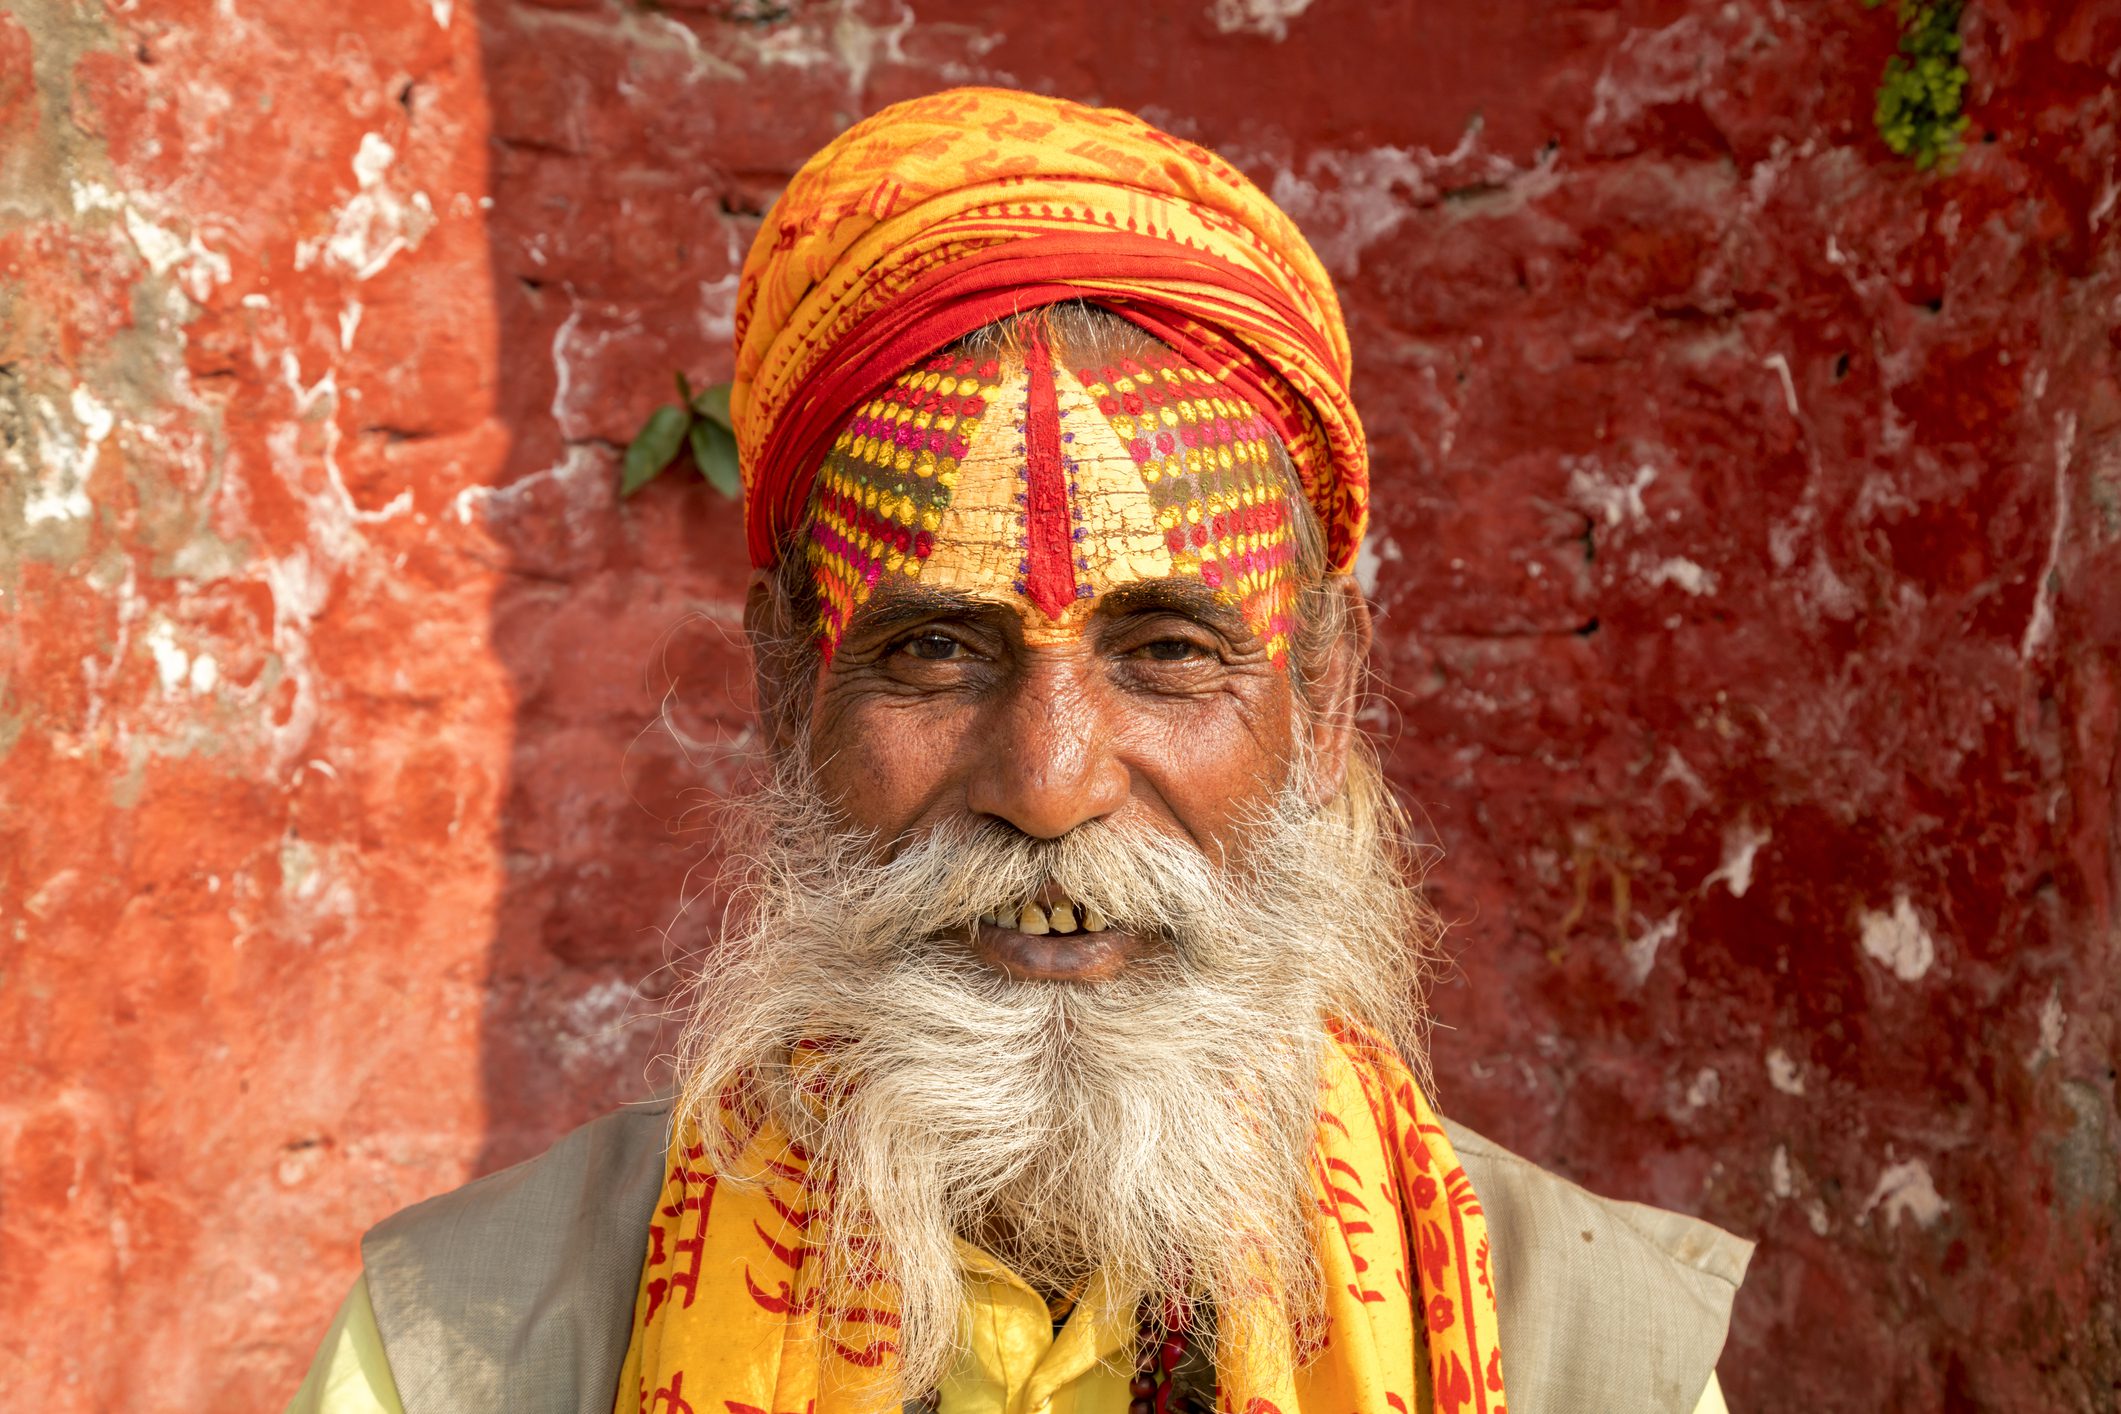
(941, 215)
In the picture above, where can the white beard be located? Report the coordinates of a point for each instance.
(1157, 1127)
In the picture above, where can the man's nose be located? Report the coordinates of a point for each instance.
(1050, 763)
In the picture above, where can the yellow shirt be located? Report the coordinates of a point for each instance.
(1014, 1361)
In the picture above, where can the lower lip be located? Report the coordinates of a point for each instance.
(1055, 957)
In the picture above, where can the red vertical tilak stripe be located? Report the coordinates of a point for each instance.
(1049, 544)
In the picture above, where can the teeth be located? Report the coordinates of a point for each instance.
(1093, 921)
(1033, 921)
(1062, 918)
(994, 918)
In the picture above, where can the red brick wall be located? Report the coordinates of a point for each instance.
(1748, 549)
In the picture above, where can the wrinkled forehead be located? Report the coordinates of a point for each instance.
(1044, 483)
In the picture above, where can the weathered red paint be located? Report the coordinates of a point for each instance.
(1748, 546)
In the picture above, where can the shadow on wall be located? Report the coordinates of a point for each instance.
(619, 624)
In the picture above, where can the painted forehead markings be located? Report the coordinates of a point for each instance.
(1027, 481)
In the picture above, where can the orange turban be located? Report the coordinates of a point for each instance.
(942, 214)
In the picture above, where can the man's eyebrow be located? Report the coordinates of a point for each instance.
(914, 604)
(1191, 597)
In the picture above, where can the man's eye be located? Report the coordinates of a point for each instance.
(931, 647)
(1171, 650)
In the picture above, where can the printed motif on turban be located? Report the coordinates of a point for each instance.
(944, 214)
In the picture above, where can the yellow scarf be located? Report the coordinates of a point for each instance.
(726, 1318)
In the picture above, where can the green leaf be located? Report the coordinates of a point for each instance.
(714, 453)
(654, 447)
(684, 388)
(713, 404)
(1923, 87)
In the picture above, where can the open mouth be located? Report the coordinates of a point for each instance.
(1057, 914)
(1051, 937)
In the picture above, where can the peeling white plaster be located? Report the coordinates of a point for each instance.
(172, 664)
(1781, 366)
(1677, 769)
(1641, 953)
(1375, 552)
(1828, 592)
(1905, 1190)
(2041, 626)
(120, 591)
(198, 268)
(373, 159)
(2053, 1022)
(1783, 1074)
(349, 321)
(1899, 941)
(307, 879)
(1685, 573)
(96, 422)
(1611, 500)
(641, 29)
(158, 247)
(1780, 1180)
(1349, 201)
(862, 44)
(59, 492)
(94, 196)
(1651, 69)
(334, 514)
(1782, 544)
(306, 396)
(441, 10)
(375, 223)
(571, 347)
(299, 593)
(717, 311)
(1263, 17)
(563, 372)
(578, 473)
(1705, 1089)
(1880, 496)
(1741, 845)
(177, 669)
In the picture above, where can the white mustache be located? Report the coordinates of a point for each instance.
(1106, 874)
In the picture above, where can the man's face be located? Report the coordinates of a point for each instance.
(1058, 591)
(939, 708)
(1052, 737)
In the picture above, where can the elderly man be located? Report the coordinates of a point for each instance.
(1065, 1054)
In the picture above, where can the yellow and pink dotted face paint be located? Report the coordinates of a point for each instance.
(1042, 487)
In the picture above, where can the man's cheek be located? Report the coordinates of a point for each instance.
(888, 759)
